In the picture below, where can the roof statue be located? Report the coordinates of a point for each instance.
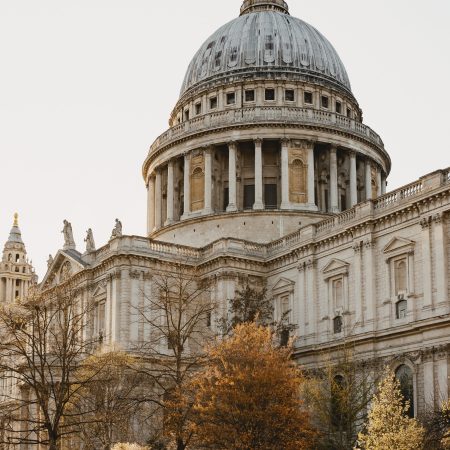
(50, 261)
(90, 243)
(117, 230)
(69, 242)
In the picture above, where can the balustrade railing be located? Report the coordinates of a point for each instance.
(265, 114)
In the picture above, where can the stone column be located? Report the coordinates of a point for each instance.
(151, 204)
(311, 178)
(353, 180)
(383, 184)
(232, 177)
(426, 263)
(302, 299)
(187, 186)
(359, 319)
(334, 201)
(368, 180)
(158, 199)
(258, 175)
(379, 182)
(284, 174)
(311, 298)
(170, 193)
(208, 180)
(440, 249)
(369, 285)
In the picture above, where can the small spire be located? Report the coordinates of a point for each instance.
(250, 6)
(16, 220)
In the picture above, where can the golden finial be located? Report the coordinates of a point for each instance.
(16, 220)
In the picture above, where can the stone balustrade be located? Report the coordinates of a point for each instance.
(229, 246)
(259, 115)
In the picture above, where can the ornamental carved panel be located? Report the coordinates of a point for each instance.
(374, 180)
(197, 183)
(298, 175)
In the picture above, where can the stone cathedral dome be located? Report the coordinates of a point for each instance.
(265, 38)
(266, 137)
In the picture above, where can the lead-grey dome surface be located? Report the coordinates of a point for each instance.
(266, 41)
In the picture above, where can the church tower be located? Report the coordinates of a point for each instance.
(16, 273)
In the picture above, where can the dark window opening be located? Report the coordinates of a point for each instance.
(249, 196)
(213, 103)
(308, 98)
(401, 309)
(186, 115)
(226, 198)
(337, 325)
(343, 202)
(17, 294)
(405, 376)
(17, 283)
(231, 98)
(250, 95)
(339, 107)
(270, 196)
(284, 337)
(269, 43)
(17, 258)
(198, 109)
(289, 95)
(270, 94)
(325, 101)
(233, 54)
(349, 113)
(218, 58)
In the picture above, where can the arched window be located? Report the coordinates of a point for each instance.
(401, 309)
(405, 376)
(298, 181)
(197, 189)
(400, 277)
(337, 324)
(17, 258)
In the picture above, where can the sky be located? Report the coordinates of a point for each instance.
(87, 85)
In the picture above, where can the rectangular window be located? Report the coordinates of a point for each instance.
(325, 101)
(213, 103)
(249, 196)
(349, 112)
(338, 107)
(231, 98)
(270, 95)
(198, 109)
(289, 95)
(308, 98)
(270, 196)
(250, 95)
(186, 115)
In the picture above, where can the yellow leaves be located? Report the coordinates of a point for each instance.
(388, 425)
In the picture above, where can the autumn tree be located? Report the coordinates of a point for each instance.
(42, 343)
(247, 397)
(338, 395)
(389, 426)
(108, 408)
(128, 446)
(437, 425)
(179, 314)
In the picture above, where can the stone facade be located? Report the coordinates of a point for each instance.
(272, 178)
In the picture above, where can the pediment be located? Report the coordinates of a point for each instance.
(399, 244)
(283, 285)
(65, 264)
(335, 267)
(99, 291)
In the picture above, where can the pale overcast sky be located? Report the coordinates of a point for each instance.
(87, 85)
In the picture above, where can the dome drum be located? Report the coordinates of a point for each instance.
(266, 136)
(267, 176)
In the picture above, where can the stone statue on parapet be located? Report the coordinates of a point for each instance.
(90, 243)
(50, 261)
(69, 242)
(117, 231)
